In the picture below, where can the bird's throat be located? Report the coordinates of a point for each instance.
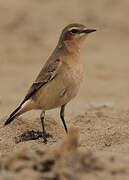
(72, 46)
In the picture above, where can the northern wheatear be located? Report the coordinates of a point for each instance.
(59, 80)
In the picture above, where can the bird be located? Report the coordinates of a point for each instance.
(59, 80)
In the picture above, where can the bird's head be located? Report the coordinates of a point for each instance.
(74, 34)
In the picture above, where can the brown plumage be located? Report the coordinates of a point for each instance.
(59, 80)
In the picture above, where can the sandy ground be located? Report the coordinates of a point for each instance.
(29, 31)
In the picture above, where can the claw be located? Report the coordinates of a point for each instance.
(45, 136)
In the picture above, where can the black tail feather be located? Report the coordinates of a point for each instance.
(12, 116)
(9, 120)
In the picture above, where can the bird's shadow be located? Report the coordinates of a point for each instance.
(30, 135)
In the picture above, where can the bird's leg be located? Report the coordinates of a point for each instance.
(62, 117)
(45, 135)
(42, 116)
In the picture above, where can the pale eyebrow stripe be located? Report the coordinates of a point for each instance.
(73, 28)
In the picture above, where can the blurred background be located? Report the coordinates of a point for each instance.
(29, 31)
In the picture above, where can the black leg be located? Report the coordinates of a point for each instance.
(42, 116)
(62, 117)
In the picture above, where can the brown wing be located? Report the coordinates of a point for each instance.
(46, 75)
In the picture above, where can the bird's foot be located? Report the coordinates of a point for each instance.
(45, 136)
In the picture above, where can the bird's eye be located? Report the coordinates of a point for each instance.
(74, 31)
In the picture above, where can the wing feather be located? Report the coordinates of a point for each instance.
(46, 75)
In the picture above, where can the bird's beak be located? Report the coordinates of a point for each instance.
(89, 31)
